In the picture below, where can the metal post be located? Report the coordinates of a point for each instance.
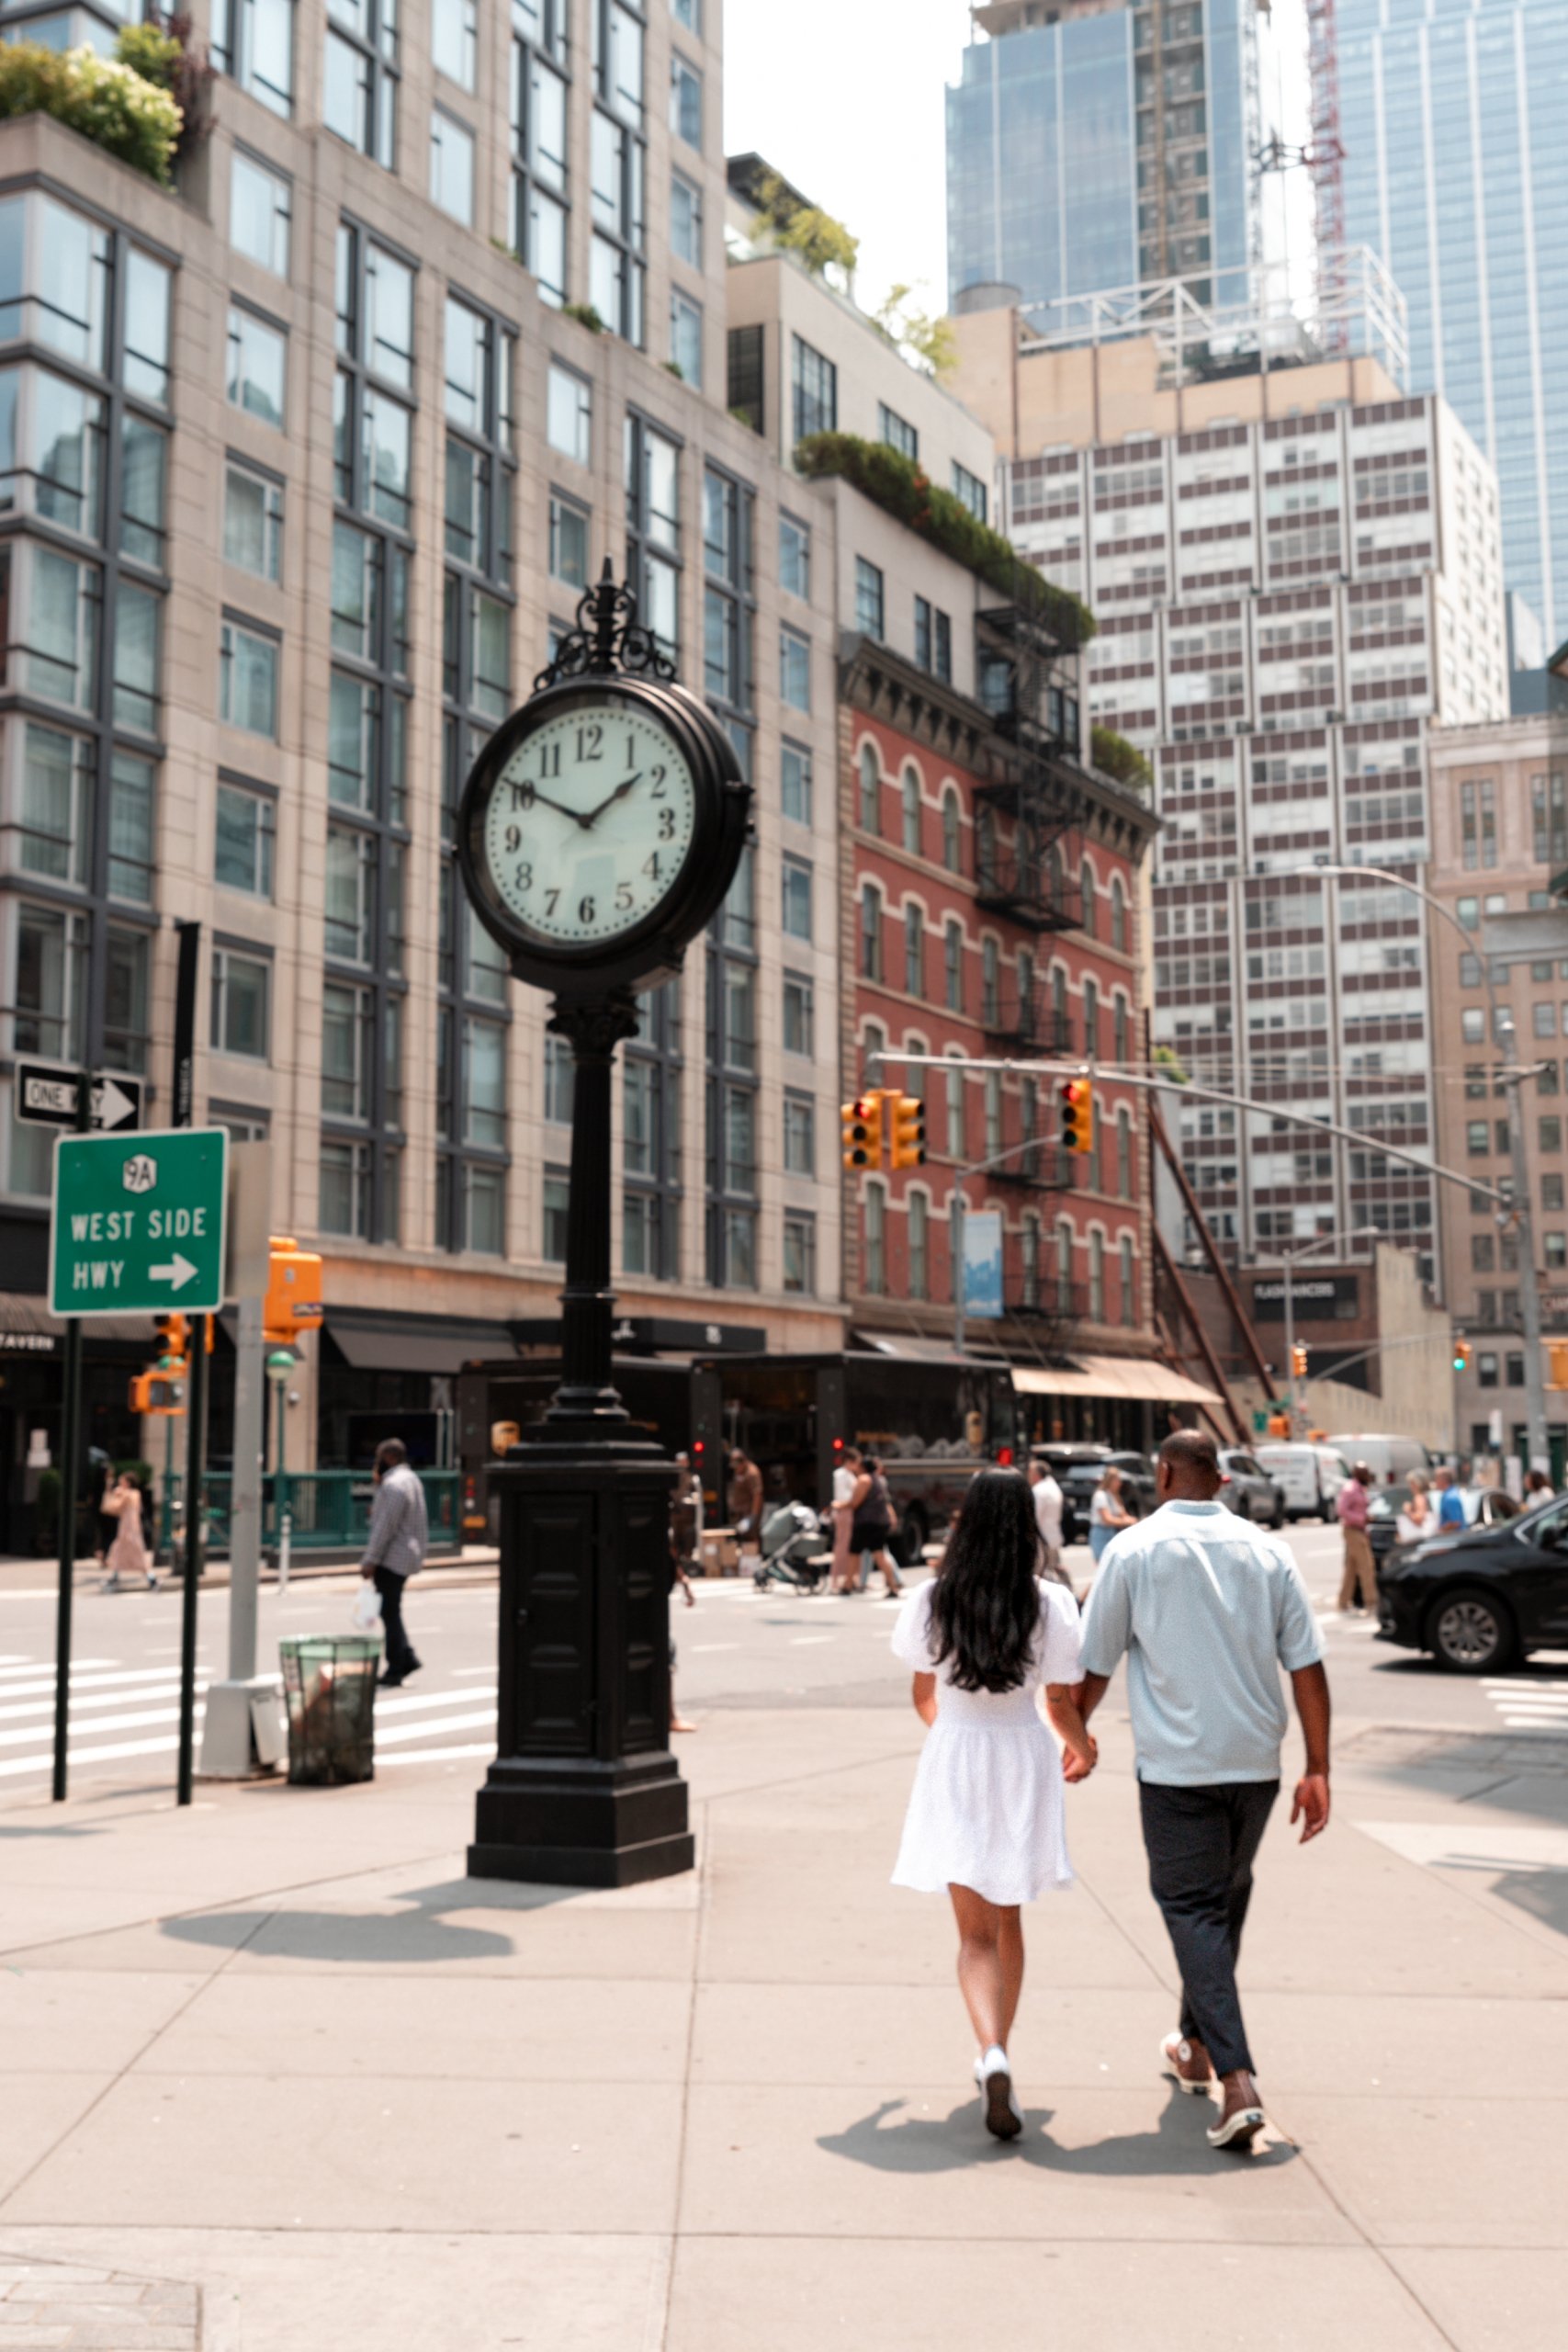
(955, 1227)
(196, 1473)
(285, 1516)
(245, 1501)
(1537, 1443)
(70, 1453)
(1291, 1340)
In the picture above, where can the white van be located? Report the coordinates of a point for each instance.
(1309, 1476)
(1387, 1458)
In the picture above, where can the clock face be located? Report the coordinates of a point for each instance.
(589, 824)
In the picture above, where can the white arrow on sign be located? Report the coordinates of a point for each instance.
(111, 1104)
(176, 1274)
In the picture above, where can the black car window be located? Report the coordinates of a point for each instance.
(1545, 1527)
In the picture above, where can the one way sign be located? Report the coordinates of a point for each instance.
(46, 1095)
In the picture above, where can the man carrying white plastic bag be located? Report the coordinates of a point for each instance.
(394, 1550)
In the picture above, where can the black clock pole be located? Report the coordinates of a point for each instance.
(584, 1791)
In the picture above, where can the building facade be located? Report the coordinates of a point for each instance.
(1091, 146)
(1297, 576)
(313, 457)
(1454, 174)
(1499, 807)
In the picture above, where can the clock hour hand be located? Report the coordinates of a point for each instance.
(619, 793)
(560, 807)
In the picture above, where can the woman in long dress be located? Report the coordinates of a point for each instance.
(128, 1555)
(1108, 1514)
(984, 1818)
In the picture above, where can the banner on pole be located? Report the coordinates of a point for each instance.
(983, 1266)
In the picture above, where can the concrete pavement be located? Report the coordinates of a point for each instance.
(279, 2051)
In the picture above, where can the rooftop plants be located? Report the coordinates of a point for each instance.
(129, 105)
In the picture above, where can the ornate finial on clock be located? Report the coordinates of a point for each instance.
(608, 638)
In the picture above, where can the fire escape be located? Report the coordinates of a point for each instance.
(1029, 813)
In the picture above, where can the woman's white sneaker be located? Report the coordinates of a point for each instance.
(1004, 2117)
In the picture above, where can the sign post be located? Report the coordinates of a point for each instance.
(70, 1448)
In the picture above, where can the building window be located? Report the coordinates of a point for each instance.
(253, 42)
(952, 833)
(650, 1140)
(688, 13)
(653, 528)
(1118, 915)
(1485, 1370)
(794, 670)
(798, 1030)
(240, 987)
(914, 950)
(539, 143)
(869, 598)
(253, 521)
(815, 386)
(794, 783)
(259, 213)
(1551, 1192)
(876, 1240)
(569, 542)
(969, 490)
(452, 168)
(685, 222)
(910, 811)
(746, 386)
(992, 1097)
(869, 817)
(800, 1253)
(1096, 1278)
(1549, 1134)
(990, 983)
(1129, 1284)
(795, 556)
(686, 102)
(1124, 1155)
(247, 832)
(918, 1221)
(953, 966)
(1090, 1020)
(569, 414)
(1556, 1247)
(729, 607)
(800, 1135)
(258, 366)
(897, 433)
(731, 1105)
(555, 1195)
(933, 640)
(452, 40)
(796, 899)
(359, 86)
(956, 1142)
(618, 167)
(686, 336)
(870, 932)
(247, 680)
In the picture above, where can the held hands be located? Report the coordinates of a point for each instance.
(1078, 1767)
(1310, 1804)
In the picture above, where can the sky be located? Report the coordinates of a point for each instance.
(845, 98)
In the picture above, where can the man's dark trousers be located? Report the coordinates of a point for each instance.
(399, 1649)
(1202, 1844)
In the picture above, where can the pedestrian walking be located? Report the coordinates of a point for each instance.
(1539, 1488)
(845, 1574)
(1108, 1514)
(745, 1499)
(1207, 1608)
(1048, 1515)
(872, 1522)
(1450, 1502)
(985, 1820)
(685, 1503)
(395, 1550)
(128, 1553)
(1354, 1510)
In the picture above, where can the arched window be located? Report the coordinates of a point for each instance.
(990, 983)
(1129, 1284)
(952, 833)
(1058, 1041)
(1124, 1154)
(1097, 1278)
(870, 932)
(1056, 875)
(993, 1113)
(1032, 1262)
(1119, 1024)
(1118, 915)
(1085, 887)
(1091, 1020)
(953, 966)
(957, 1146)
(918, 1209)
(1026, 988)
(874, 1044)
(1063, 1265)
(985, 848)
(914, 948)
(876, 1240)
(870, 789)
(912, 812)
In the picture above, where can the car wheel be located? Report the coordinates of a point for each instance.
(1471, 1631)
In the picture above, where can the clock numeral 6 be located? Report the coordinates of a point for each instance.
(585, 910)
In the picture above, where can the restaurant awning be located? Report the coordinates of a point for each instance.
(370, 1341)
(1137, 1379)
(27, 1327)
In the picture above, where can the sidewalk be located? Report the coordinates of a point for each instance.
(280, 2051)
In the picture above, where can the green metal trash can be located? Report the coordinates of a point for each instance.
(329, 1682)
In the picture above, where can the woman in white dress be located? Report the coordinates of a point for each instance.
(984, 1818)
(128, 1553)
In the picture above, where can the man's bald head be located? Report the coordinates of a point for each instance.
(1190, 1466)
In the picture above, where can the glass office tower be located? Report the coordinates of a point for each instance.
(1089, 148)
(1456, 173)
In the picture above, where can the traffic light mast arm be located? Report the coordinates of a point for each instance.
(1342, 1363)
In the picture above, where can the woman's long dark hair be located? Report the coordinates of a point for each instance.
(985, 1602)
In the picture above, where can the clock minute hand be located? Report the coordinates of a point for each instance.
(562, 810)
(619, 794)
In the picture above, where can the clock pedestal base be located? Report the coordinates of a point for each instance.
(584, 1791)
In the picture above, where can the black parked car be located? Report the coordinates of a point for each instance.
(1480, 1600)
(1081, 1474)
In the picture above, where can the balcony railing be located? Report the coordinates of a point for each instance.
(1017, 882)
(1028, 1025)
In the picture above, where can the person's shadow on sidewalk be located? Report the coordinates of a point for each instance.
(922, 2143)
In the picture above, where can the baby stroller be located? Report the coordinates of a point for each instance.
(795, 1552)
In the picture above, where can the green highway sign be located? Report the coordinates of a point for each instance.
(136, 1223)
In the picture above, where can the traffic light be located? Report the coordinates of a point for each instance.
(293, 1301)
(1299, 1360)
(174, 1337)
(862, 1121)
(1462, 1352)
(1557, 1362)
(1076, 1096)
(908, 1141)
(156, 1392)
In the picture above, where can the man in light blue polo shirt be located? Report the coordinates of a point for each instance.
(1207, 1608)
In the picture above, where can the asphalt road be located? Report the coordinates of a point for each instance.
(736, 1649)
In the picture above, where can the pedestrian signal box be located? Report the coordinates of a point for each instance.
(861, 1123)
(293, 1301)
(1557, 1363)
(155, 1392)
(1299, 1360)
(908, 1136)
(1075, 1098)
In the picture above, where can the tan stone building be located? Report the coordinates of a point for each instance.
(313, 456)
(1499, 812)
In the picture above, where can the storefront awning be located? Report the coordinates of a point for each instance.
(27, 1327)
(1137, 1379)
(378, 1342)
(910, 1348)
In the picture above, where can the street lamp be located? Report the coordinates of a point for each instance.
(1289, 1259)
(1503, 1038)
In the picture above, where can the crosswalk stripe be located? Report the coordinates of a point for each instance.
(83, 1702)
(147, 1674)
(20, 1668)
(16, 1764)
(385, 1706)
(102, 1723)
(401, 1732)
(437, 1755)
